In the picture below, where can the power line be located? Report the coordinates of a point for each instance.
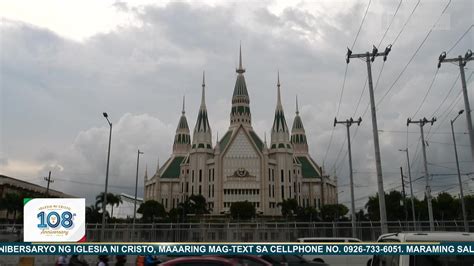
(390, 24)
(427, 92)
(406, 22)
(446, 97)
(344, 80)
(460, 38)
(414, 54)
(361, 23)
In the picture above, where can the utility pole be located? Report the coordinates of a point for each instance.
(369, 58)
(49, 180)
(135, 200)
(464, 215)
(462, 63)
(422, 122)
(348, 124)
(404, 195)
(411, 189)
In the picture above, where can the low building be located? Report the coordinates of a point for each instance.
(12, 185)
(125, 209)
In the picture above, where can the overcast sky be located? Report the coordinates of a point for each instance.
(63, 63)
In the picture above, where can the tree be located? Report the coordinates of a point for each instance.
(289, 207)
(93, 214)
(176, 214)
(333, 212)
(242, 210)
(307, 214)
(198, 205)
(12, 203)
(115, 200)
(151, 209)
(446, 207)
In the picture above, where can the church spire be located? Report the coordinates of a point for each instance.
(202, 137)
(240, 70)
(280, 132)
(182, 138)
(240, 112)
(298, 135)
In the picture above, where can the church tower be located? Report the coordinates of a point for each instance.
(201, 150)
(182, 138)
(240, 112)
(298, 135)
(202, 136)
(281, 151)
(280, 133)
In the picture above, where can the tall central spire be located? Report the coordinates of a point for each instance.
(240, 112)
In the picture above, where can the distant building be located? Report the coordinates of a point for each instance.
(13, 185)
(125, 209)
(240, 166)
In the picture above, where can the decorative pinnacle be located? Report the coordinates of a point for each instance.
(158, 165)
(203, 79)
(184, 99)
(278, 86)
(203, 95)
(240, 70)
(297, 109)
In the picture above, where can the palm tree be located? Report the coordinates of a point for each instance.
(114, 200)
(92, 214)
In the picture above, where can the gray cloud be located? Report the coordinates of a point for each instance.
(54, 90)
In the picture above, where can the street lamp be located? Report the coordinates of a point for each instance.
(104, 202)
(466, 227)
(136, 186)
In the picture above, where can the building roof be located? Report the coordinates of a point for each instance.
(256, 140)
(308, 167)
(225, 139)
(23, 185)
(172, 168)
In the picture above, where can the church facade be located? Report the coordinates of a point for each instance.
(240, 166)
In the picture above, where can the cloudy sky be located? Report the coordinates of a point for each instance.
(63, 63)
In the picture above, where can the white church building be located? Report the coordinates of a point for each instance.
(240, 166)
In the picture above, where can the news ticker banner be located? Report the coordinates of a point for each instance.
(54, 220)
(184, 249)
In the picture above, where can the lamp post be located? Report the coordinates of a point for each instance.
(104, 202)
(135, 201)
(464, 216)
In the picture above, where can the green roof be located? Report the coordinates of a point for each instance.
(224, 140)
(172, 171)
(309, 171)
(256, 140)
(240, 88)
